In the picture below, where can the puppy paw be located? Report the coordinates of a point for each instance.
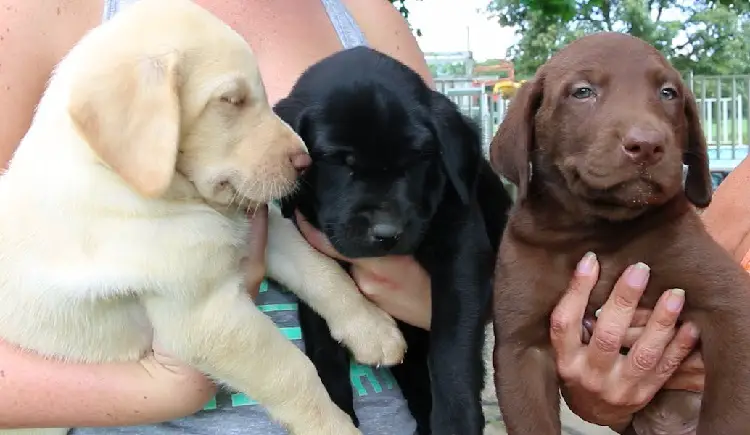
(372, 336)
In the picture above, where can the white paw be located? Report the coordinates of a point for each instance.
(371, 335)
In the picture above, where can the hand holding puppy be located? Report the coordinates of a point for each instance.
(397, 284)
(600, 384)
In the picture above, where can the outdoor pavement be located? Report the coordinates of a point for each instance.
(572, 425)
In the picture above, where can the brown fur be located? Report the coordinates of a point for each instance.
(577, 192)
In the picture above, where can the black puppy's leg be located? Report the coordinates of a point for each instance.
(461, 293)
(413, 376)
(330, 359)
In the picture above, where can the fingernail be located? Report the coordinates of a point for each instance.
(693, 330)
(637, 276)
(589, 325)
(587, 264)
(675, 300)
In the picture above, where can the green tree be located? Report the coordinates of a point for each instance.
(703, 36)
(401, 6)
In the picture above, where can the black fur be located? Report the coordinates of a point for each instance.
(388, 150)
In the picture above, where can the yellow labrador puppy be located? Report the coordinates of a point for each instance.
(123, 217)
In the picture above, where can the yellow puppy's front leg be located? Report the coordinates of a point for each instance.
(223, 334)
(369, 332)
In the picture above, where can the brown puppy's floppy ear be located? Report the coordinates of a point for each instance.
(129, 114)
(510, 149)
(460, 145)
(698, 185)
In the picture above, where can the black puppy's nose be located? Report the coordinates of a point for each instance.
(385, 229)
(644, 145)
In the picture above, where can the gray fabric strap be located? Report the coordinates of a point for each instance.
(346, 28)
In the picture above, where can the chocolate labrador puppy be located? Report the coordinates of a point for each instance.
(596, 144)
(397, 170)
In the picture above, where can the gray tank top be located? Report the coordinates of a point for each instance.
(378, 401)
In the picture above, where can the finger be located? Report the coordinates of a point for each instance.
(615, 318)
(566, 318)
(640, 318)
(648, 350)
(695, 382)
(631, 336)
(254, 264)
(258, 234)
(692, 364)
(316, 238)
(676, 352)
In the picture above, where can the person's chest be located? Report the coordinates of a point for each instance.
(287, 36)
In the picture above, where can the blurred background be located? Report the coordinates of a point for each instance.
(481, 51)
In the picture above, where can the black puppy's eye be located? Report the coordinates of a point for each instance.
(350, 160)
(668, 93)
(583, 93)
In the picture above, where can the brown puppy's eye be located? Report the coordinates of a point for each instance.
(234, 100)
(583, 93)
(350, 160)
(668, 93)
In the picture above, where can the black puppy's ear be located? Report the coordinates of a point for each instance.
(698, 185)
(460, 145)
(294, 112)
(510, 149)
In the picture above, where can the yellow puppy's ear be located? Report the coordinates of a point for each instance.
(130, 115)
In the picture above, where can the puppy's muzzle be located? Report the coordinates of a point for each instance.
(644, 146)
(300, 161)
(384, 229)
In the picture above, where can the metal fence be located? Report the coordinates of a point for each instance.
(723, 101)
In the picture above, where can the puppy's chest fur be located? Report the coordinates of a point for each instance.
(680, 254)
(83, 269)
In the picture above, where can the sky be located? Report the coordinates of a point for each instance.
(444, 22)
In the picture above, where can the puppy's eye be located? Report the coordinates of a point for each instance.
(234, 100)
(668, 93)
(350, 160)
(583, 92)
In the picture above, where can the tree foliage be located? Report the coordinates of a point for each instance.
(401, 6)
(703, 36)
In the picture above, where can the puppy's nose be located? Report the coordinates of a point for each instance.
(384, 229)
(644, 146)
(300, 161)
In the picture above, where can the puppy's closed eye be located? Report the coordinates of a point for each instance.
(234, 99)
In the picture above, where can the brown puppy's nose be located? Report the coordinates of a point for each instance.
(644, 146)
(300, 161)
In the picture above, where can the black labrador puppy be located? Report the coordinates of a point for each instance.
(397, 170)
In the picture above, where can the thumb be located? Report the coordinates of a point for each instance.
(254, 264)
(316, 238)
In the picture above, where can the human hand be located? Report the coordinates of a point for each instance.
(601, 385)
(690, 375)
(255, 262)
(396, 284)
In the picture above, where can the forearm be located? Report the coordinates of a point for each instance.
(36, 392)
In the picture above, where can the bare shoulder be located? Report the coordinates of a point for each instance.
(387, 31)
(34, 36)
